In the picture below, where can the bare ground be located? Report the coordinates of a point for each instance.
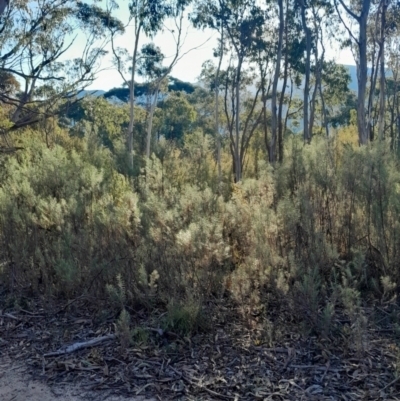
(17, 384)
(234, 359)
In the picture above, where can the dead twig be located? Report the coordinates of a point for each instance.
(77, 346)
(69, 304)
(10, 316)
(37, 315)
(163, 333)
(391, 383)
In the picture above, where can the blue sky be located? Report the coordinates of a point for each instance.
(197, 44)
(189, 67)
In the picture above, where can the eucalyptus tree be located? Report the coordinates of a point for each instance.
(393, 81)
(313, 15)
(240, 25)
(293, 49)
(147, 17)
(274, 111)
(160, 73)
(322, 27)
(358, 11)
(244, 23)
(289, 48)
(250, 115)
(385, 21)
(376, 38)
(307, 69)
(35, 42)
(208, 14)
(264, 59)
(382, 39)
(337, 100)
(150, 67)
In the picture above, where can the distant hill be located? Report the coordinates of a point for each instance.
(141, 90)
(175, 84)
(95, 93)
(353, 75)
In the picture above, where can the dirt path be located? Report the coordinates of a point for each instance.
(16, 384)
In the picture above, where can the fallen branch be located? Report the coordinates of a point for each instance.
(163, 333)
(10, 316)
(78, 346)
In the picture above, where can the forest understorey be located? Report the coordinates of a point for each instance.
(238, 359)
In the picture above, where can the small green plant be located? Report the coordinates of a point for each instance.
(308, 296)
(389, 287)
(140, 335)
(184, 319)
(326, 318)
(117, 292)
(351, 300)
(123, 329)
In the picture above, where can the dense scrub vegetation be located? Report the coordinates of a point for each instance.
(314, 236)
(270, 186)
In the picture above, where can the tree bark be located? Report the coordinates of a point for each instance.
(132, 98)
(274, 114)
(362, 67)
(217, 133)
(381, 129)
(238, 169)
(362, 73)
(150, 121)
(306, 129)
(282, 95)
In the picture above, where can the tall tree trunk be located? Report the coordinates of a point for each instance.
(159, 81)
(374, 76)
(321, 94)
(393, 111)
(132, 98)
(282, 95)
(217, 133)
(289, 103)
(264, 114)
(318, 67)
(362, 73)
(238, 169)
(362, 67)
(153, 105)
(274, 114)
(381, 129)
(307, 137)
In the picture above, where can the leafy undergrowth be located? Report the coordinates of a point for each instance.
(261, 357)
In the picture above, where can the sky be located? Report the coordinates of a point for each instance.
(198, 45)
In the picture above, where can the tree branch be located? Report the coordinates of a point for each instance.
(351, 13)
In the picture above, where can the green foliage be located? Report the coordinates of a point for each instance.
(176, 117)
(123, 329)
(108, 120)
(140, 335)
(68, 219)
(104, 124)
(316, 236)
(184, 319)
(141, 88)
